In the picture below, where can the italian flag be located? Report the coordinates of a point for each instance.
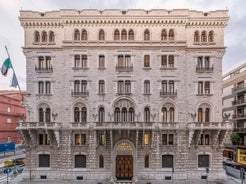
(5, 67)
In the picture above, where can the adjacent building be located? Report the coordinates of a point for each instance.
(11, 112)
(130, 95)
(234, 108)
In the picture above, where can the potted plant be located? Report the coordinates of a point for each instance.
(235, 138)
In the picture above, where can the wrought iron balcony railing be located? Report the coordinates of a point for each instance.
(124, 68)
(239, 88)
(44, 69)
(239, 102)
(200, 69)
(80, 93)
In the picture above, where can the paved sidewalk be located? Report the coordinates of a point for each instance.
(230, 180)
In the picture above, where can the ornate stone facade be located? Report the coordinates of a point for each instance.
(124, 95)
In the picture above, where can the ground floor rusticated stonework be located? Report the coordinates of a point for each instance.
(122, 152)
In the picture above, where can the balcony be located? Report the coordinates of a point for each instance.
(200, 69)
(168, 94)
(37, 125)
(210, 126)
(239, 116)
(240, 88)
(80, 94)
(124, 68)
(44, 69)
(240, 130)
(239, 102)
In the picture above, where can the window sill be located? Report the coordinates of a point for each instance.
(44, 94)
(168, 169)
(101, 68)
(79, 169)
(168, 68)
(43, 43)
(147, 94)
(146, 68)
(204, 94)
(101, 94)
(80, 68)
(43, 169)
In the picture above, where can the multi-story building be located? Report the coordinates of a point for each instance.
(11, 112)
(124, 95)
(234, 108)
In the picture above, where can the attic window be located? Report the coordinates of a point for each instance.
(42, 14)
(205, 14)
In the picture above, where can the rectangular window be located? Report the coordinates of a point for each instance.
(101, 139)
(80, 161)
(9, 120)
(84, 61)
(171, 61)
(146, 87)
(170, 139)
(200, 87)
(101, 62)
(43, 139)
(164, 139)
(164, 61)
(77, 61)
(203, 160)
(207, 87)
(47, 87)
(167, 161)
(127, 87)
(146, 61)
(40, 87)
(120, 87)
(101, 87)
(80, 139)
(83, 86)
(146, 139)
(44, 160)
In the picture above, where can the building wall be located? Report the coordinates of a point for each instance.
(185, 128)
(10, 113)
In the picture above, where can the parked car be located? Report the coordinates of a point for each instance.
(8, 163)
(12, 162)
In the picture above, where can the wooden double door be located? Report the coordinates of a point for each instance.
(124, 167)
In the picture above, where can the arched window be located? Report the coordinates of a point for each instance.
(116, 35)
(200, 116)
(77, 61)
(204, 36)
(146, 35)
(41, 114)
(47, 115)
(131, 114)
(76, 35)
(146, 161)
(171, 110)
(171, 35)
(36, 36)
(207, 115)
(101, 35)
(196, 36)
(44, 36)
(101, 62)
(51, 36)
(84, 35)
(117, 114)
(76, 114)
(146, 114)
(123, 35)
(131, 35)
(124, 114)
(164, 114)
(206, 139)
(101, 161)
(211, 36)
(101, 114)
(84, 114)
(164, 34)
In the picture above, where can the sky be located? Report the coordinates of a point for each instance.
(12, 34)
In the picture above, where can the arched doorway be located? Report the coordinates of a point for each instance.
(124, 160)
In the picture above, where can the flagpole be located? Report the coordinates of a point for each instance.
(22, 98)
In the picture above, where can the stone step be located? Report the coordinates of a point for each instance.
(124, 182)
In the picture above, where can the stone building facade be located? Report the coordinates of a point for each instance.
(124, 95)
(234, 108)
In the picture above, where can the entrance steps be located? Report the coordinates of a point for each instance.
(124, 182)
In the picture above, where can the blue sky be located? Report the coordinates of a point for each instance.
(12, 34)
